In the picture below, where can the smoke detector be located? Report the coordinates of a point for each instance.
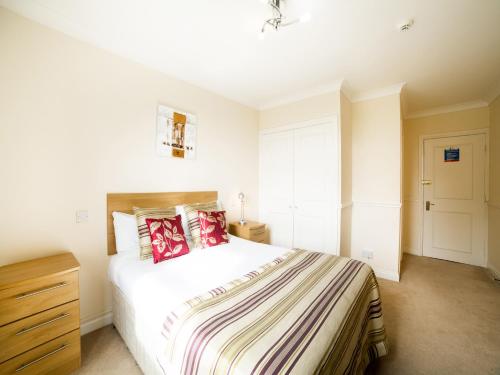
(406, 25)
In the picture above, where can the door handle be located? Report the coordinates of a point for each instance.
(428, 205)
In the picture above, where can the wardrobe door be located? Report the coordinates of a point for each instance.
(316, 188)
(276, 186)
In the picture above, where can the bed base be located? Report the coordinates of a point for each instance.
(131, 328)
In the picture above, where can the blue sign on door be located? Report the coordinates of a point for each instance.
(451, 154)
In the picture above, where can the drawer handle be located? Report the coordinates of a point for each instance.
(22, 367)
(35, 292)
(24, 330)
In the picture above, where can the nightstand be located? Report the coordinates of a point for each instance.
(40, 316)
(251, 230)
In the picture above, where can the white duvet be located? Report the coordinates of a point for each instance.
(156, 289)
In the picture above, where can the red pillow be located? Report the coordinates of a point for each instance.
(167, 238)
(213, 228)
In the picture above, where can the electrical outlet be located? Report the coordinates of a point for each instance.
(82, 216)
(368, 254)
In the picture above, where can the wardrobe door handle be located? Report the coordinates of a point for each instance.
(22, 367)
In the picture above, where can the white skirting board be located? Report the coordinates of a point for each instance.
(89, 325)
(412, 251)
(392, 276)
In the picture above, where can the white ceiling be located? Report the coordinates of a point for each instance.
(450, 56)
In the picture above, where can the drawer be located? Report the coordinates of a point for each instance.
(39, 295)
(257, 231)
(59, 356)
(25, 334)
(261, 237)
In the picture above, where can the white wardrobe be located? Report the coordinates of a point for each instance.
(300, 185)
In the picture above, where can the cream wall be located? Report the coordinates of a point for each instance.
(346, 174)
(76, 123)
(316, 107)
(494, 198)
(376, 183)
(414, 128)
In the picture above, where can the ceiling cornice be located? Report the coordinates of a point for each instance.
(341, 85)
(303, 94)
(378, 93)
(346, 90)
(447, 109)
(493, 93)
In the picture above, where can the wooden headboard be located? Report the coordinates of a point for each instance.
(124, 202)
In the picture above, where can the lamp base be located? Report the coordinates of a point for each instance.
(242, 222)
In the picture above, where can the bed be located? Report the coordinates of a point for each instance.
(243, 307)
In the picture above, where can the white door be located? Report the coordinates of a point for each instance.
(315, 188)
(454, 199)
(276, 186)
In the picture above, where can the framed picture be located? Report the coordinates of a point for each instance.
(175, 133)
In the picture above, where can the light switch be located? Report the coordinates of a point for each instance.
(368, 254)
(82, 216)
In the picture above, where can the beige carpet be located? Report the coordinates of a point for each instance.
(442, 318)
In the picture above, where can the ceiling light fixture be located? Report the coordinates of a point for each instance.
(278, 20)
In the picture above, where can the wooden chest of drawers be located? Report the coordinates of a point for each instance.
(251, 230)
(40, 316)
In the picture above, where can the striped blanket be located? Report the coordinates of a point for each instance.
(304, 313)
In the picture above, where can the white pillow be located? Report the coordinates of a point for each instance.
(179, 210)
(126, 234)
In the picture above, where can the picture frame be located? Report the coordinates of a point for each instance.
(176, 133)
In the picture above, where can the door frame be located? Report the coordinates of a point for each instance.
(303, 124)
(422, 139)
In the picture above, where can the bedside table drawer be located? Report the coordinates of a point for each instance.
(59, 356)
(257, 231)
(25, 334)
(36, 296)
(262, 238)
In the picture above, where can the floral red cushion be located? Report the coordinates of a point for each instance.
(213, 228)
(167, 238)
